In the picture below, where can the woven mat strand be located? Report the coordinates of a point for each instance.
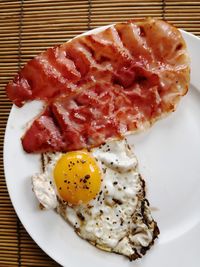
(30, 26)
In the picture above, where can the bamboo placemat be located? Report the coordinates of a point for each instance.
(30, 26)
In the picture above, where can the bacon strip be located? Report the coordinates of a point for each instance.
(103, 85)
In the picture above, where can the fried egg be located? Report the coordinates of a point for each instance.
(101, 194)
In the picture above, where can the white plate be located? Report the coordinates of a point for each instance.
(169, 158)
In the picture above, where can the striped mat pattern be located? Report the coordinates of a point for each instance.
(30, 26)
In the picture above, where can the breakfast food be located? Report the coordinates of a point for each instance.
(103, 86)
(96, 89)
(101, 194)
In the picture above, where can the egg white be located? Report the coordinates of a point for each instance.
(118, 219)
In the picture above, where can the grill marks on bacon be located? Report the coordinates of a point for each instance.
(103, 85)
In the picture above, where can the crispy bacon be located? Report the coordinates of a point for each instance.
(103, 85)
(43, 134)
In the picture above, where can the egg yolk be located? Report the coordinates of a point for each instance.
(77, 177)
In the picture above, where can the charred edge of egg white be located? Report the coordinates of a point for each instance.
(42, 159)
(143, 213)
(45, 159)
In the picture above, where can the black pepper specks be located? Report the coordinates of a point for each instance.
(104, 170)
(117, 201)
(80, 216)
